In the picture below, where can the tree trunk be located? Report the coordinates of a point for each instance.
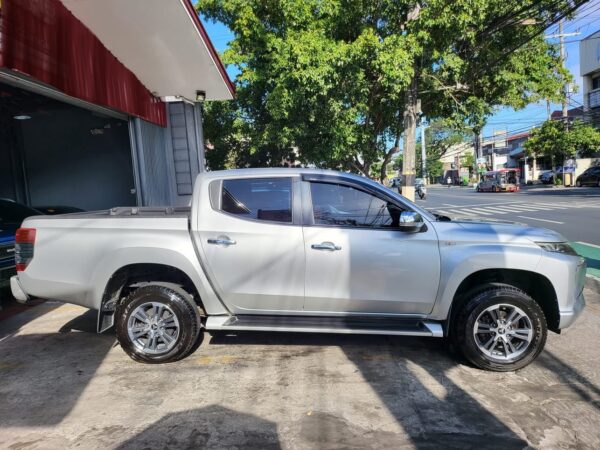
(410, 138)
(386, 160)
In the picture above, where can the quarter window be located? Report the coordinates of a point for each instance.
(335, 204)
(268, 199)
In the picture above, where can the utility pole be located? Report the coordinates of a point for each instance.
(561, 39)
(565, 108)
(411, 115)
(423, 152)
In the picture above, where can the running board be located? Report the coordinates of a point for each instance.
(342, 325)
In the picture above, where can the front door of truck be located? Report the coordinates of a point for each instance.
(253, 244)
(357, 258)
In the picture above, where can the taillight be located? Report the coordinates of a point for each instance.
(24, 240)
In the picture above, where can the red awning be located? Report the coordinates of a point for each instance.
(42, 39)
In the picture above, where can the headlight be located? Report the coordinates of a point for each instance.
(557, 247)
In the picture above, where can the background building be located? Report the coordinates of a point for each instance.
(99, 101)
(452, 162)
(589, 66)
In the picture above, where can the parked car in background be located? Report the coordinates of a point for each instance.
(11, 216)
(591, 177)
(299, 250)
(548, 177)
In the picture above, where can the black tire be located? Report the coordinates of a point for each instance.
(477, 301)
(181, 306)
(578, 183)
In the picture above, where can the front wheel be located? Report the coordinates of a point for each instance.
(578, 183)
(157, 324)
(500, 328)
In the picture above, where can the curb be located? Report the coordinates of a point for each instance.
(593, 283)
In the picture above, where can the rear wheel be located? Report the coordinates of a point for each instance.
(578, 183)
(157, 324)
(500, 328)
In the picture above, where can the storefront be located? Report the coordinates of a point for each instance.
(99, 101)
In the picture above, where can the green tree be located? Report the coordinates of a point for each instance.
(558, 141)
(440, 136)
(341, 81)
(468, 160)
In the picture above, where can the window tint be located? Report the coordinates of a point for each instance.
(335, 204)
(258, 198)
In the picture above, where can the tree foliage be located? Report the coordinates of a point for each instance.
(329, 78)
(440, 136)
(556, 139)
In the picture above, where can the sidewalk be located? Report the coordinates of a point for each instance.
(591, 253)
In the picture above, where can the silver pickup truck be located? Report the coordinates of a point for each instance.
(303, 251)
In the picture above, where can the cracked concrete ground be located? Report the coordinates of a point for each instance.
(63, 386)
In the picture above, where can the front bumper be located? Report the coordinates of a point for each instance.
(569, 316)
(17, 290)
(570, 309)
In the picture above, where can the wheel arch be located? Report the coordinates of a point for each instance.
(536, 285)
(127, 278)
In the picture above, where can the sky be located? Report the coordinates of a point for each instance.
(586, 22)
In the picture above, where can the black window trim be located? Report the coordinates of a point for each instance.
(215, 200)
(308, 212)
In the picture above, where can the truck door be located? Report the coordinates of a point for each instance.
(252, 240)
(359, 261)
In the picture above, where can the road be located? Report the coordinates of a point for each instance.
(573, 212)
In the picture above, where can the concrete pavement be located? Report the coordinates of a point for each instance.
(63, 386)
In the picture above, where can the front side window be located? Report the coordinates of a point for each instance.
(335, 204)
(268, 199)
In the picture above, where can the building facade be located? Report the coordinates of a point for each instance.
(100, 101)
(589, 65)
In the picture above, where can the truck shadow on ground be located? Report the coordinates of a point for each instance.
(210, 427)
(41, 378)
(409, 375)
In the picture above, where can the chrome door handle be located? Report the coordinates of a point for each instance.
(221, 240)
(330, 246)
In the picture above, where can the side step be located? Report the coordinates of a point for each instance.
(342, 325)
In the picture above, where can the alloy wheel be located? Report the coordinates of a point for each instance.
(503, 332)
(153, 328)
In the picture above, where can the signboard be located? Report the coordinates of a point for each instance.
(482, 160)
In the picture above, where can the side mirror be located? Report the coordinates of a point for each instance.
(411, 221)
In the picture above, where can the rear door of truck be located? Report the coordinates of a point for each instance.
(250, 238)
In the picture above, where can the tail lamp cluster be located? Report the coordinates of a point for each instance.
(24, 240)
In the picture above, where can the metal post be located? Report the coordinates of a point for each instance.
(565, 109)
(423, 152)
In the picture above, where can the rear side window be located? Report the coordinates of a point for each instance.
(268, 199)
